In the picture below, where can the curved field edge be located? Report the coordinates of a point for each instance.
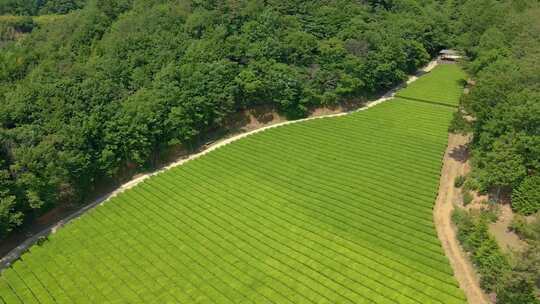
(292, 214)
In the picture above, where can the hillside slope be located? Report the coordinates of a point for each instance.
(329, 210)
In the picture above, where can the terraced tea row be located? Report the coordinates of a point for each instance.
(334, 210)
(443, 86)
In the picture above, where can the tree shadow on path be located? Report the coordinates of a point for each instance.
(460, 153)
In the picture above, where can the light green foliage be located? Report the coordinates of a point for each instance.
(334, 210)
(526, 229)
(526, 197)
(445, 86)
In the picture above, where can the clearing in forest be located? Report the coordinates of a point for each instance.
(332, 210)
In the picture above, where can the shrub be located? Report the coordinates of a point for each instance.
(459, 124)
(464, 222)
(526, 197)
(467, 198)
(517, 290)
(492, 264)
(471, 184)
(473, 234)
(459, 181)
(519, 226)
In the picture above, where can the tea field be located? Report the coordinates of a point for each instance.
(331, 210)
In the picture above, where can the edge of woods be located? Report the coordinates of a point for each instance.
(464, 272)
(16, 252)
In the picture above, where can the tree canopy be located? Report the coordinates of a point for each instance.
(504, 49)
(39, 7)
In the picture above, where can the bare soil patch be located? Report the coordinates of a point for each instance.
(508, 240)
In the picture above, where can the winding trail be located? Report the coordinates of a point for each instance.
(454, 165)
(16, 252)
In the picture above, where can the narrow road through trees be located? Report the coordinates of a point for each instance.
(454, 165)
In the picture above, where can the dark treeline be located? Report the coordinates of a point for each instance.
(502, 41)
(39, 7)
(120, 81)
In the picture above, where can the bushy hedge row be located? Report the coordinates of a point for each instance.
(39, 7)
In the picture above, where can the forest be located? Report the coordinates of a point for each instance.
(502, 42)
(504, 52)
(39, 7)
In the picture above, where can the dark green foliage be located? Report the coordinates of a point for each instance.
(501, 40)
(526, 197)
(517, 290)
(39, 7)
(9, 218)
(491, 263)
(473, 234)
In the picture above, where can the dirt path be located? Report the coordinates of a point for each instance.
(508, 240)
(16, 252)
(454, 165)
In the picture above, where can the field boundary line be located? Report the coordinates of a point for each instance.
(16, 252)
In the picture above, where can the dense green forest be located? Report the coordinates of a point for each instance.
(39, 7)
(503, 44)
(108, 89)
